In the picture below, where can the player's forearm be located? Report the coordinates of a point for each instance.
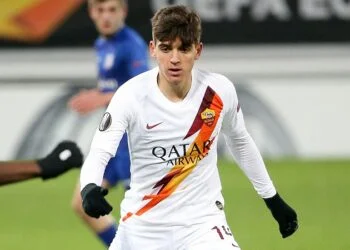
(16, 171)
(94, 167)
(250, 161)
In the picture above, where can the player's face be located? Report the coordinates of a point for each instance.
(108, 16)
(175, 61)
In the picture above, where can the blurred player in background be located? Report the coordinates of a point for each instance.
(65, 156)
(122, 54)
(173, 115)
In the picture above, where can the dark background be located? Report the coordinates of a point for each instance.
(78, 29)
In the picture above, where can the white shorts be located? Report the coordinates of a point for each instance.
(214, 234)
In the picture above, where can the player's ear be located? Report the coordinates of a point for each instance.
(152, 48)
(92, 12)
(125, 11)
(199, 48)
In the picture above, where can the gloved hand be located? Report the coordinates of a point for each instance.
(64, 157)
(283, 214)
(94, 203)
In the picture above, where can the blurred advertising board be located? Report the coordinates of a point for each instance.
(66, 22)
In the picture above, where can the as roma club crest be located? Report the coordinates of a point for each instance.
(208, 116)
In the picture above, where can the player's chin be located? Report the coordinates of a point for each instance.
(106, 32)
(175, 82)
(175, 78)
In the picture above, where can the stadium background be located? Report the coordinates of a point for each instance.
(290, 61)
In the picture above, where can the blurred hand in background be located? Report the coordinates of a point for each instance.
(89, 100)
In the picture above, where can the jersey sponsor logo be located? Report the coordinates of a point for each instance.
(208, 117)
(184, 153)
(148, 126)
(109, 61)
(105, 122)
(110, 84)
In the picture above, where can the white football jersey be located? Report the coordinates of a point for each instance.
(173, 148)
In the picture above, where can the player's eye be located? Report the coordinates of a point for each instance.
(164, 48)
(100, 10)
(112, 9)
(185, 49)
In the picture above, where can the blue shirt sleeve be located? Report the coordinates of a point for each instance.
(137, 59)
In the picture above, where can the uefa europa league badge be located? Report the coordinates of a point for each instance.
(105, 122)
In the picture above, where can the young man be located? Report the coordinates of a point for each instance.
(173, 115)
(122, 54)
(65, 156)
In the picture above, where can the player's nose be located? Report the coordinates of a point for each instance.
(175, 57)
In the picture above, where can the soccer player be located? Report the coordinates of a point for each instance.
(122, 54)
(65, 156)
(173, 115)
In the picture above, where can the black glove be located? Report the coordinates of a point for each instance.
(64, 157)
(283, 214)
(94, 202)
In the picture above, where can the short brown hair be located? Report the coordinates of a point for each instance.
(92, 2)
(177, 21)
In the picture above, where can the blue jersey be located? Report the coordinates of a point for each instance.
(120, 57)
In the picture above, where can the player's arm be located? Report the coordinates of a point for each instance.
(94, 203)
(16, 171)
(104, 146)
(87, 101)
(64, 157)
(250, 161)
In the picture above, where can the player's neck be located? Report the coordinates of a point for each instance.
(118, 29)
(175, 92)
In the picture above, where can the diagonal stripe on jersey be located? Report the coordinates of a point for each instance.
(180, 171)
(198, 121)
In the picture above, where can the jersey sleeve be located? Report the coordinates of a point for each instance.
(243, 148)
(137, 59)
(107, 138)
